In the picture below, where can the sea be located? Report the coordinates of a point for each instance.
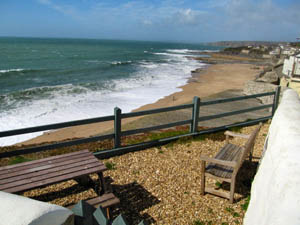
(48, 80)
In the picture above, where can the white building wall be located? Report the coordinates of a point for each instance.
(288, 66)
(297, 67)
(275, 192)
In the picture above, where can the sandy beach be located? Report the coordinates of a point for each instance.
(214, 79)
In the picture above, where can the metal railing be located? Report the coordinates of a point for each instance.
(118, 133)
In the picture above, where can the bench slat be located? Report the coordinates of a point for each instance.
(229, 152)
(54, 180)
(47, 165)
(81, 169)
(109, 203)
(105, 200)
(17, 176)
(36, 163)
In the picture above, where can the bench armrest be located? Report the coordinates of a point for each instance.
(218, 161)
(232, 134)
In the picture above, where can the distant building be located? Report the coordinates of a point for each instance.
(265, 56)
(291, 72)
(289, 51)
(245, 51)
(264, 47)
(291, 66)
(276, 51)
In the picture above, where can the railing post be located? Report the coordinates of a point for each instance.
(117, 127)
(276, 100)
(195, 114)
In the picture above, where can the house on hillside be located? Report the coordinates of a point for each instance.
(291, 73)
(289, 51)
(291, 66)
(245, 51)
(276, 51)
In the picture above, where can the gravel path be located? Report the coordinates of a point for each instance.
(161, 185)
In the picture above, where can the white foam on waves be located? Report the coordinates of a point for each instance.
(152, 81)
(11, 70)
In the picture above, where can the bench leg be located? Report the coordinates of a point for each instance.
(108, 213)
(250, 156)
(202, 188)
(102, 184)
(232, 188)
(85, 181)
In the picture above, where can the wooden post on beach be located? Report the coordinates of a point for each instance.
(276, 100)
(195, 115)
(117, 127)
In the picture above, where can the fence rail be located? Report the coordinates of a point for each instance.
(55, 126)
(204, 118)
(238, 98)
(118, 133)
(152, 111)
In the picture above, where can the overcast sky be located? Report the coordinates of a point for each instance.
(166, 20)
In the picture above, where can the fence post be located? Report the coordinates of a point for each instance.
(276, 100)
(195, 114)
(117, 127)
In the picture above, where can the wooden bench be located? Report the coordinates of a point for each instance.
(106, 201)
(39, 173)
(227, 162)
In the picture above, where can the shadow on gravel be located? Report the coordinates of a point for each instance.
(67, 191)
(134, 198)
(244, 180)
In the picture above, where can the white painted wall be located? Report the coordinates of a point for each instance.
(19, 210)
(297, 66)
(275, 192)
(289, 64)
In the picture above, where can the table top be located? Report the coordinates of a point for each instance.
(54, 169)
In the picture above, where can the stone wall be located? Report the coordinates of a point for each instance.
(255, 87)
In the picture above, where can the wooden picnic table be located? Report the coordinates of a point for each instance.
(39, 173)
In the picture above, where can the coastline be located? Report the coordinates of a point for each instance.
(210, 80)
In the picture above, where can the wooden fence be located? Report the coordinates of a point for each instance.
(118, 133)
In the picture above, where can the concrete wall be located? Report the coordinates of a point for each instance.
(19, 210)
(275, 192)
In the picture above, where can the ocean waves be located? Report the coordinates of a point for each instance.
(189, 51)
(90, 85)
(17, 71)
(11, 70)
(117, 63)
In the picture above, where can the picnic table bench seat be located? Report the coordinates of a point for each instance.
(226, 163)
(51, 170)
